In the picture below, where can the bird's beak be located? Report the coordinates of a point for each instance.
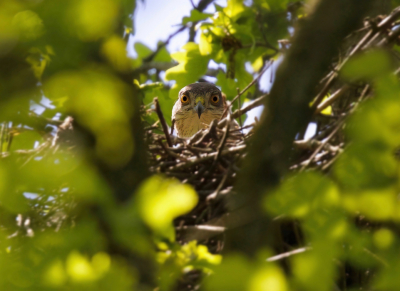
(199, 108)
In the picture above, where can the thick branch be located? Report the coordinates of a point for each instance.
(314, 46)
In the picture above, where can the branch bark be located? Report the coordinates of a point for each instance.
(314, 46)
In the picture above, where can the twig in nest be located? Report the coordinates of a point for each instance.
(313, 143)
(215, 194)
(172, 126)
(257, 102)
(162, 120)
(171, 153)
(308, 162)
(223, 141)
(331, 99)
(201, 136)
(239, 106)
(194, 161)
(365, 43)
(288, 254)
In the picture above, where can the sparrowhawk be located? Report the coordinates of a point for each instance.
(198, 104)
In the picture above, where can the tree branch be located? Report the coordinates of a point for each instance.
(314, 46)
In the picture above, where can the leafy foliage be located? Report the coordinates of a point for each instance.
(63, 224)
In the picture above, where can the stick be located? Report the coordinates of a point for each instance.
(257, 102)
(340, 123)
(288, 254)
(162, 120)
(331, 99)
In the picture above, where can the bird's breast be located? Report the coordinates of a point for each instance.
(189, 123)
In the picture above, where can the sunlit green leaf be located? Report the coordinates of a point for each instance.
(379, 204)
(28, 24)
(114, 51)
(100, 102)
(90, 20)
(301, 194)
(163, 55)
(205, 46)
(192, 65)
(383, 238)
(367, 65)
(233, 274)
(228, 86)
(233, 8)
(237, 273)
(142, 50)
(25, 140)
(268, 278)
(308, 271)
(366, 166)
(161, 200)
(195, 15)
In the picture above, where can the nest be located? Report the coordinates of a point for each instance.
(211, 159)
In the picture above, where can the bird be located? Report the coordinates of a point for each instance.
(197, 106)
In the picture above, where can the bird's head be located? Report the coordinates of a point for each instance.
(200, 98)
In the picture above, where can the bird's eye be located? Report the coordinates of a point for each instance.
(184, 99)
(215, 99)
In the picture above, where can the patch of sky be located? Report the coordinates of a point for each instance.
(57, 116)
(155, 20)
(40, 107)
(210, 79)
(310, 131)
(251, 116)
(268, 78)
(30, 195)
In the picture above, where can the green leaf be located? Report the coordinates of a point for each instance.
(375, 204)
(28, 24)
(142, 50)
(195, 16)
(376, 122)
(25, 140)
(159, 201)
(165, 102)
(242, 76)
(277, 5)
(257, 64)
(114, 51)
(367, 65)
(233, 274)
(269, 278)
(101, 103)
(228, 86)
(205, 46)
(163, 55)
(234, 8)
(366, 166)
(192, 65)
(90, 21)
(315, 270)
(302, 194)
(150, 86)
(236, 273)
